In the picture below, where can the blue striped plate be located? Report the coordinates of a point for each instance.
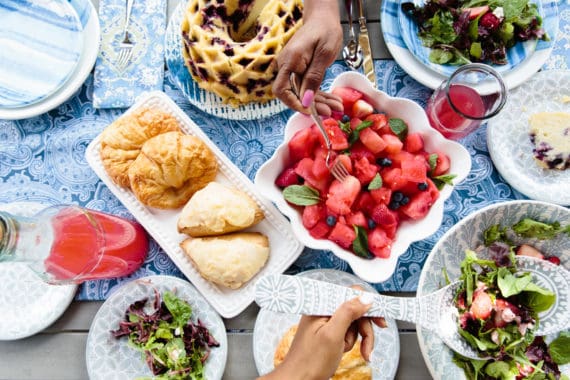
(515, 55)
(40, 46)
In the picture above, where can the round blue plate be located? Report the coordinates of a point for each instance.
(40, 46)
(515, 55)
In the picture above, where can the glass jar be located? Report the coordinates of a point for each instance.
(71, 244)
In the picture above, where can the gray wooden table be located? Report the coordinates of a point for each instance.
(58, 352)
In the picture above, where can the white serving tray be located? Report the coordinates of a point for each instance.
(161, 224)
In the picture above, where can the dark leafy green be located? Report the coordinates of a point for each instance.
(173, 346)
(456, 37)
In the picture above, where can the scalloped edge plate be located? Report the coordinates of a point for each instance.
(377, 269)
(206, 101)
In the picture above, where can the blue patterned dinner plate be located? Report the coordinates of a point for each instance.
(205, 100)
(515, 55)
(40, 46)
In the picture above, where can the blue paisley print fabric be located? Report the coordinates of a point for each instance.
(42, 160)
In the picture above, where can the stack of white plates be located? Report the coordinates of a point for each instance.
(47, 50)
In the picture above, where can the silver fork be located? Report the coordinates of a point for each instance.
(337, 169)
(126, 45)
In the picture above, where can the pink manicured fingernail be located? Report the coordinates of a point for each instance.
(308, 97)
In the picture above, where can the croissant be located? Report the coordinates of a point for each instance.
(170, 168)
(122, 140)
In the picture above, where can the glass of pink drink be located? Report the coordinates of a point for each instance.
(471, 95)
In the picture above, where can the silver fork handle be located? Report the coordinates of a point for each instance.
(294, 81)
(128, 15)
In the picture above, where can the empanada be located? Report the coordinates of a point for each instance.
(229, 260)
(170, 168)
(122, 140)
(218, 209)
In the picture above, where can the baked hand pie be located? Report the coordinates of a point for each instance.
(218, 209)
(352, 365)
(229, 260)
(123, 139)
(170, 168)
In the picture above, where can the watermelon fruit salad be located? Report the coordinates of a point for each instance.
(392, 177)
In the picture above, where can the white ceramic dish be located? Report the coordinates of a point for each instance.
(394, 40)
(34, 65)
(509, 141)
(110, 358)
(375, 270)
(270, 327)
(409, 32)
(449, 252)
(90, 37)
(205, 100)
(161, 224)
(28, 304)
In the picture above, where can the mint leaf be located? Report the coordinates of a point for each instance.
(301, 195)
(360, 243)
(345, 127)
(441, 180)
(432, 161)
(376, 182)
(399, 127)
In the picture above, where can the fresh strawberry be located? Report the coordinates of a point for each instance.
(475, 12)
(287, 178)
(482, 305)
(528, 250)
(553, 259)
(489, 21)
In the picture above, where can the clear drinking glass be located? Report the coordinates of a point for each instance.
(70, 244)
(472, 94)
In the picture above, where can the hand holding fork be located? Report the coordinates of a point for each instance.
(337, 169)
(126, 45)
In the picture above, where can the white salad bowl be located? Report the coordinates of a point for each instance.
(444, 264)
(377, 269)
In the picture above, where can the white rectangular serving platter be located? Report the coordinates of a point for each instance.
(161, 224)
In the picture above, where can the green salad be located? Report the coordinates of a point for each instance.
(465, 31)
(173, 346)
(498, 309)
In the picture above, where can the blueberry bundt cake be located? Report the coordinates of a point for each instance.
(550, 134)
(229, 45)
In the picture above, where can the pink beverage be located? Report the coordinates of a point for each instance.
(461, 121)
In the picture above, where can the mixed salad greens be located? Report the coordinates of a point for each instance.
(173, 346)
(498, 310)
(464, 31)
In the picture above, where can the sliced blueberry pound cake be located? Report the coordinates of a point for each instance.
(229, 46)
(550, 134)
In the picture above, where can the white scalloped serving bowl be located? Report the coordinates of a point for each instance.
(375, 270)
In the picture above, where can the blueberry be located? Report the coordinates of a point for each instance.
(423, 186)
(331, 220)
(384, 162)
(397, 196)
(371, 224)
(405, 200)
(393, 205)
(345, 118)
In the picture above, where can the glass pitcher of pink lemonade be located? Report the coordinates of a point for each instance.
(71, 244)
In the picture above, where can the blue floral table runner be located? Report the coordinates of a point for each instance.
(42, 159)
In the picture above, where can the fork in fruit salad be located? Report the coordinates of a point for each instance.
(392, 177)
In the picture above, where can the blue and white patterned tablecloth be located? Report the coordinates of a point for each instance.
(42, 160)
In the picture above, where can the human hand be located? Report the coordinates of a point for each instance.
(308, 53)
(323, 341)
